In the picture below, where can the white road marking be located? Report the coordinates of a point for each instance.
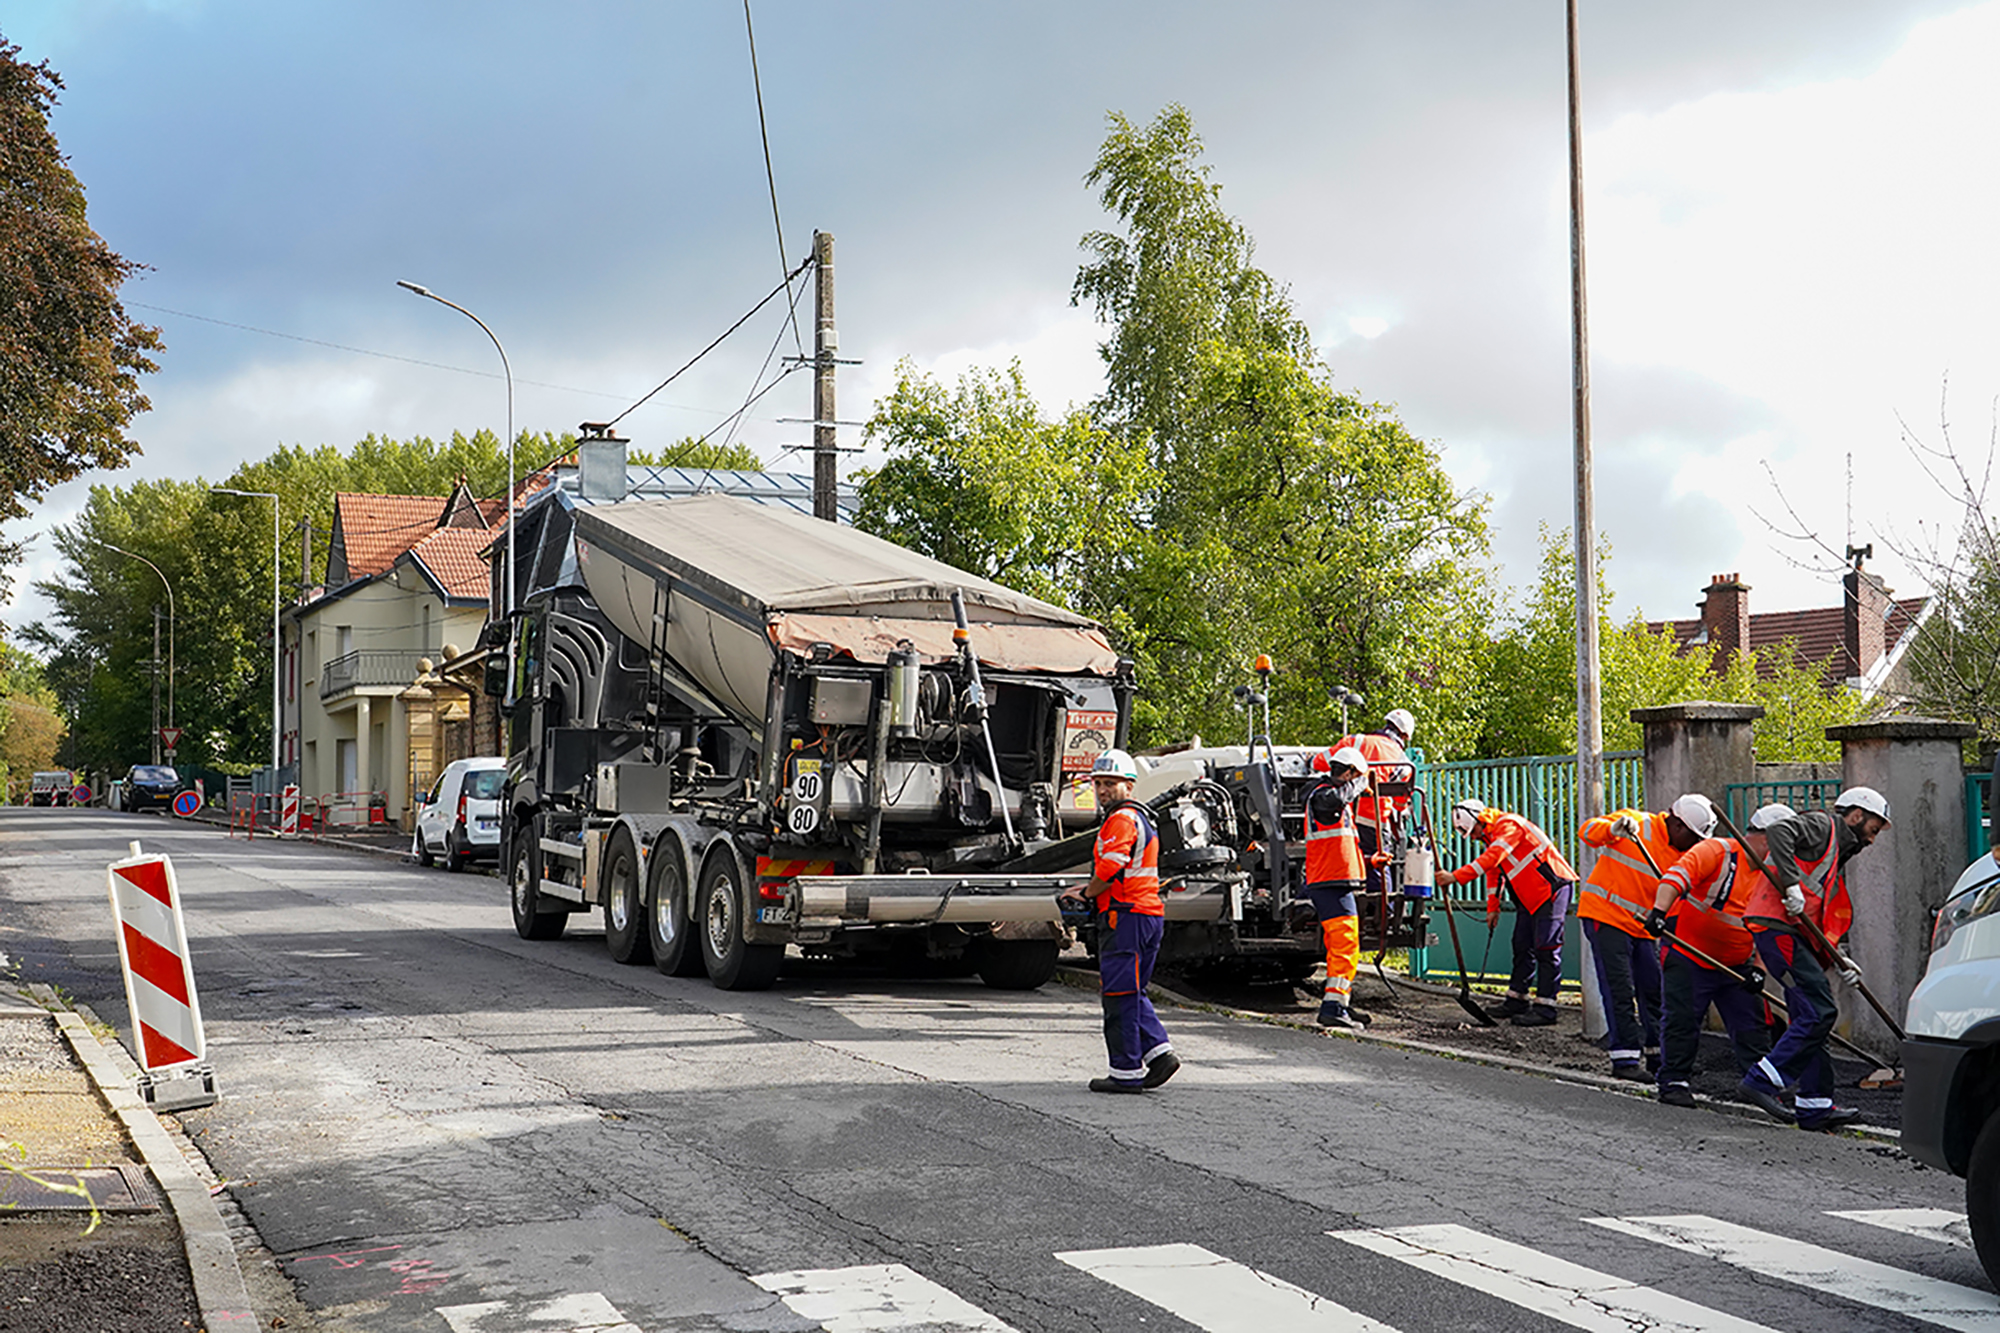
(1218, 1294)
(1862, 1281)
(877, 1298)
(582, 1312)
(1939, 1224)
(1578, 1296)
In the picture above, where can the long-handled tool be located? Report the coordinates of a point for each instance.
(1465, 1000)
(1822, 946)
(1382, 915)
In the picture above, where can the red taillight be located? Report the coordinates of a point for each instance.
(772, 888)
(461, 807)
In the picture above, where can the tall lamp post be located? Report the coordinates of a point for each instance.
(507, 604)
(277, 716)
(171, 619)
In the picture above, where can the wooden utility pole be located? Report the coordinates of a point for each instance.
(826, 345)
(1589, 717)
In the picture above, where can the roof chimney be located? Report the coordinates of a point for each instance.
(1725, 619)
(1864, 615)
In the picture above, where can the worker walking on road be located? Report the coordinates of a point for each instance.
(1698, 906)
(1378, 813)
(1523, 858)
(1807, 856)
(1613, 906)
(1125, 884)
(1335, 871)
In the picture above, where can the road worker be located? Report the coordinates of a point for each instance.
(1377, 815)
(1698, 907)
(1613, 907)
(1807, 858)
(1523, 858)
(1335, 871)
(1125, 887)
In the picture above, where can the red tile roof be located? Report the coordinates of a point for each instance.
(370, 531)
(1817, 632)
(451, 557)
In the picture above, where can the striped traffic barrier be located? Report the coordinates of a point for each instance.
(159, 982)
(288, 813)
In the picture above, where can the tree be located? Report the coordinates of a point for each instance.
(693, 452)
(70, 360)
(31, 725)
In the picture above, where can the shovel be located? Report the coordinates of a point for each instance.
(1465, 1000)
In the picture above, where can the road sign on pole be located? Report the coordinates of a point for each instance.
(170, 737)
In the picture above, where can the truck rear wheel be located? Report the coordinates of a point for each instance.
(733, 962)
(1982, 1197)
(676, 952)
(530, 921)
(1017, 964)
(625, 931)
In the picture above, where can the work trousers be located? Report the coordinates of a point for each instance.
(1628, 982)
(1538, 943)
(1340, 928)
(1128, 944)
(1801, 1054)
(1688, 989)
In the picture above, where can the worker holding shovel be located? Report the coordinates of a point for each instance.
(1521, 856)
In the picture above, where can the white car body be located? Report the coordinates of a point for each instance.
(460, 818)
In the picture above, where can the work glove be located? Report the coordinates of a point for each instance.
(1656, 921)
(1379, 859)
(1753, 980)
(1625, 826)
(1850, 971)
(1795, 900)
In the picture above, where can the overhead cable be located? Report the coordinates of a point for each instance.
(784, 286)
(770, 177)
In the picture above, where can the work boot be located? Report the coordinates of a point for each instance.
(1629, 1071)
(1334, 1014)
(1540, 1016)
(1762, 1095)
(1117, 1085)
(1677, 1094)
(1838, 1117)
(1160, 1068)
(1509, 1007)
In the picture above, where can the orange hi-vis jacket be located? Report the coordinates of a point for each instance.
(1519, 855)
(1712, 884)
(1127, 858)
(1386, 763)
(1333, 846)
(1621, 885)
(1827, 903)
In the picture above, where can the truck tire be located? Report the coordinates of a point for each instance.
(1982, 1197)
(1017, 964)
(669, 926)
(530, 921)
(733, 963)
(625, 930)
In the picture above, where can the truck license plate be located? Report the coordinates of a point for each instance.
(774, 916)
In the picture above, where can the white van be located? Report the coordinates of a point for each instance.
(460, 817)
(1951, 1059)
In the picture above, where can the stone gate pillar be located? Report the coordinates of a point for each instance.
(1697, 746)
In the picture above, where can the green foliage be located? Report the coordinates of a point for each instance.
(694, 452)
(1954, 661)
(31, 725)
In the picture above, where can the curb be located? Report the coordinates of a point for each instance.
(219, 1290)
(1082, 979)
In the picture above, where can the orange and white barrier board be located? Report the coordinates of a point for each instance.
(288, 813)
(159, 975)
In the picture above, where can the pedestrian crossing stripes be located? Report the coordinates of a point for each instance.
(1940, 1224)
(877, 1298)
(1216, 1294)
(582, 1312)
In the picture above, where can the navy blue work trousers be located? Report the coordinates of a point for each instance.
(1689, 989)
(1128, 944)
(1628, 982)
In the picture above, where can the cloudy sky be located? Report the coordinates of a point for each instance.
(1790, 208)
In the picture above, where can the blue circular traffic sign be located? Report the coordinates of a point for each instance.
(187, 802)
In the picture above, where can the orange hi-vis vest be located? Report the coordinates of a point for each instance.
(1827, 903)
(1333, 849)
(1127, 859)
(1386, 763)
(1519, 855)
(1712, 884)
(1621, 885)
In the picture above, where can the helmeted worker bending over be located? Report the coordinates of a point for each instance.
(1387, 756)
(1700, 903)
(1523, 858)
(1613, 906)
(1807, 855)
(1335, 871)
(1125, 886)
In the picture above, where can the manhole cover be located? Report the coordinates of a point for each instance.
(113, 1189)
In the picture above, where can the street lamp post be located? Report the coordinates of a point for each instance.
(172, 619)
(277, 716)
(507, 603)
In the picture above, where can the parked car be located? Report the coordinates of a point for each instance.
(151, 787)
(1951, 1057)
(460, 817)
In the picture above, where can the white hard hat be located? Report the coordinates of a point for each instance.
(1348, 757)
(1697, 812)
(1766, 815)
(1863, 798)
(1115, 764)
(1465, 815)
(1403, 721)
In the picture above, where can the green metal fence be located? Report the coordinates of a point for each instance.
(1740, 798)
(1978, 817)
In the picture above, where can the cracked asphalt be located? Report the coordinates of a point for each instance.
(420, 1110)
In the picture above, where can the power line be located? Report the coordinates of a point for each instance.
(770, 178)
(784, 286)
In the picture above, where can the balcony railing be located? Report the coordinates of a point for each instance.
(369, 667)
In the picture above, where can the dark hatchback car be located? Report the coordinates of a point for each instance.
(151, 787)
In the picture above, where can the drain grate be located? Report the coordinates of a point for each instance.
(113, 1189)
